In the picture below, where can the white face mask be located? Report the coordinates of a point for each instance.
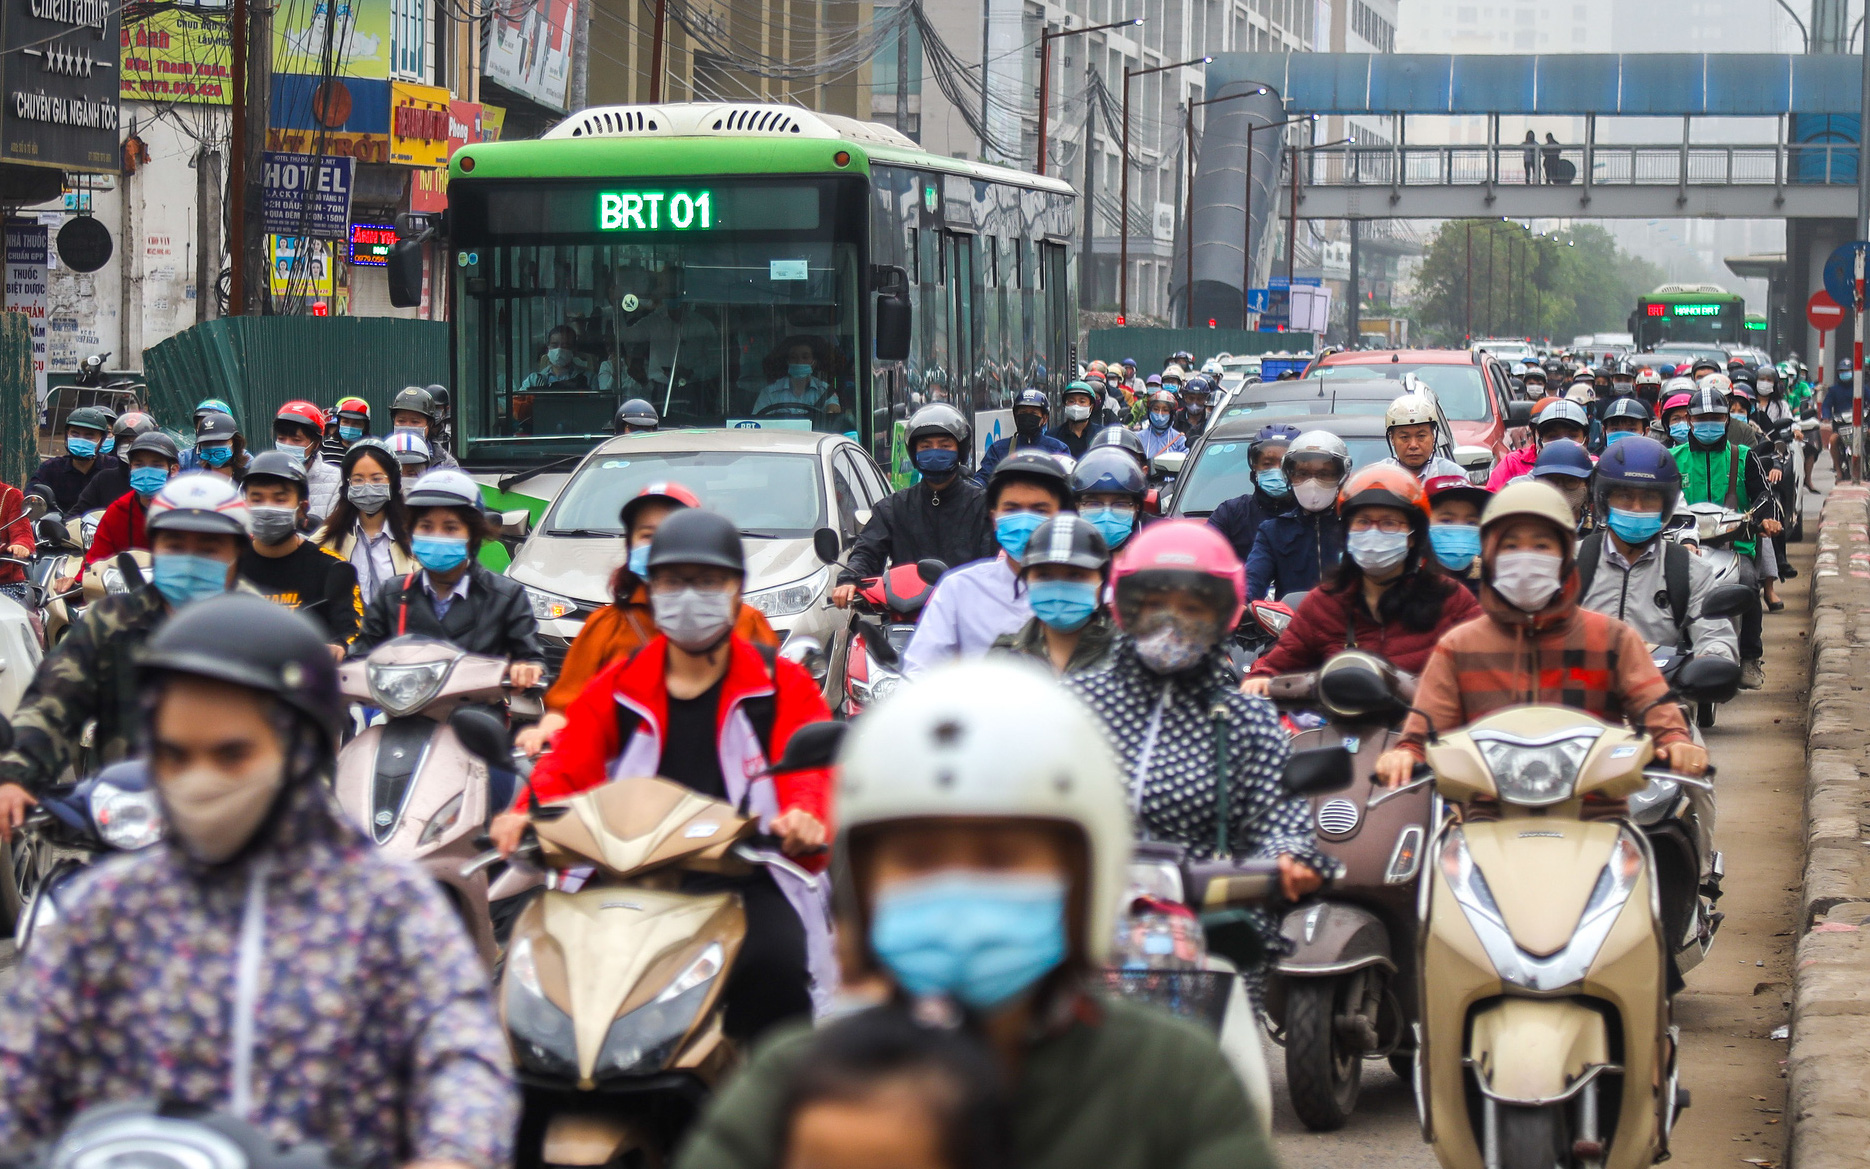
(1528, 580)
(1315, 496)
(1077, 413)
(695, 619)
(214, 814)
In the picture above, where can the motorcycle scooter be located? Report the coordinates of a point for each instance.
(412, 785)
(65, 833)
(1345, 992)
(883, 619)
(611, 992)
(1546, 1039)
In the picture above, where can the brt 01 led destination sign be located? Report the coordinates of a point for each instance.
(655, 210)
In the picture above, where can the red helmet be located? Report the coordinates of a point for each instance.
(356, 406)
(1180, 554)
(663, 491)
(303, 413)
(1455, 487)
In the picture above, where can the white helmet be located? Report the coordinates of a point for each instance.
(1581, 392)
(1174, 371)
(959, 742)
(199, 501)
(1211, 366)
(1715, 381)
(1677, 385)
(1409, 410)
(1563, 410)
(1316, 443)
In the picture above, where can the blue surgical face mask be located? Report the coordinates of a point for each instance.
(1456, 545)
(1709, 433)
(1012, 531)
(110, 444)
(1273, 482)
(216, 456)
(1613, 437)
(350, 433)
(937, 462)
(1158, 421)
(639, 561)
(1065, 605)
(290, 448)
(146, 481)
(1113, 523)
(981, 938)
(80, 448)
(1634, 527)
(1678, 431)
(182, 577)
(439, 553)
(799, 371)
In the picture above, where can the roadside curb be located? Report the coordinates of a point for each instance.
(1828, 1092)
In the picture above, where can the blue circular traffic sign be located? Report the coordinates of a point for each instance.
(1841, 272)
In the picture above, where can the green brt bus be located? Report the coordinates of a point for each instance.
(1705, 313)
(701, 255)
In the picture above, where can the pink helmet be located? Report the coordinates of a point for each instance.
(1180, 554)
(1675, 401)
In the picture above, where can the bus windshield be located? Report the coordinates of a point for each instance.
(719, 302)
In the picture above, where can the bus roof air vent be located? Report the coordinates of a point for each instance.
(637, 121)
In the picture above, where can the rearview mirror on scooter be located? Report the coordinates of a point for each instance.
(812, 746)
(931, 570)
(6, 734)
(827, 544)
(55, 534)
(1706, 679)
(1317, 770)
(1728, 600)
(483, 734)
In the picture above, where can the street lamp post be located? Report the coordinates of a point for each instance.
(1046, 37)
(1123, 248)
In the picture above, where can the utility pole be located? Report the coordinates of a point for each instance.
(1354, 309)
(250, 42)
(1490, 235)
(236, 168)
(1863, 232)
(208, 232)
(903, 24)
(1087, 281)
(1467, 285)
(657, 32)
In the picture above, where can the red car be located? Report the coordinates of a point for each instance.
(1474, 389)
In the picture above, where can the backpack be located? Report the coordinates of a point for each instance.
(1675, 564)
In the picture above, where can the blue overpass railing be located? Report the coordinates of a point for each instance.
(1607, 165)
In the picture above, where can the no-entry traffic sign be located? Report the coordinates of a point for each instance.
(1823, 313)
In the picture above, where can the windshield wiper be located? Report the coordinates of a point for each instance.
(584, 533)
(507, 483)
(754, 534)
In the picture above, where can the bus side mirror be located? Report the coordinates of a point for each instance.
(893, 316)
(404, 269)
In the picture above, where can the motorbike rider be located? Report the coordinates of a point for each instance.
(1623, 418)
(1536, 645)
(411, 452)
(369, 526)
(455, 598)
(1124, 439)
(1773, 414)
(1716, 470)
(219, 446)
(1627, 570)
(1672, 421)
(942, 517)
(284, 566)
(153, 461)
(298, 429)
(709, 710)
(628, 623)
(415, 411)
(1030, 413)
(197, 524)
(976, 603)
(18, 542)
(1553, 419)
(1066, 571)
(62, 478)
(1192, 418)
(1110, 491)
(969, 873)
(1454, 507)
(1075, 430)
(348, 421)
(107, 486)
(1158, 429)
(635, 416)
(1388, 595)
(1239, 518)
(272, 911)
(1647, 386)
(1411, 427)
(1567, 466)
(1835, 409)
(1294, 550)
(1179, 595)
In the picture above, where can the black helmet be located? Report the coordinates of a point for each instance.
(635, 412)
(248, 641)
(1110, 470)
(1123, 438)
(438, 394)
(280, 466)
(214, 426)
(1637, 461)
(694, 536)
(415, 398)
(937, 418)
(1033, 466)
(1627, 408)
(132, 424)
(155, 442)
(1066, 538)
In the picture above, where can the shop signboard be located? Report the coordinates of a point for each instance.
(177, 55)
(527, 48)
(428, 188)
(419, 124)
(344, 116)
(306, 195)
(62, 63)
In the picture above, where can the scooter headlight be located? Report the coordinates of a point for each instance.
(444, 819)
(145, 1140)
(644, 1039)
(1535, 772)
(128, 820)
(405, 688)
(543, 1041)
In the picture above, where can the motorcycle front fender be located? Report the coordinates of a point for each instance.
(1536, 1051)
(1332, 937)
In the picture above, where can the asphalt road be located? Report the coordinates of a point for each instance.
(1733, 1001)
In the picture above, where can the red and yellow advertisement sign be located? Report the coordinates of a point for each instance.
(428, 188)
(419, 124)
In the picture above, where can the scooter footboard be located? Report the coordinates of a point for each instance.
(1536, 1051)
